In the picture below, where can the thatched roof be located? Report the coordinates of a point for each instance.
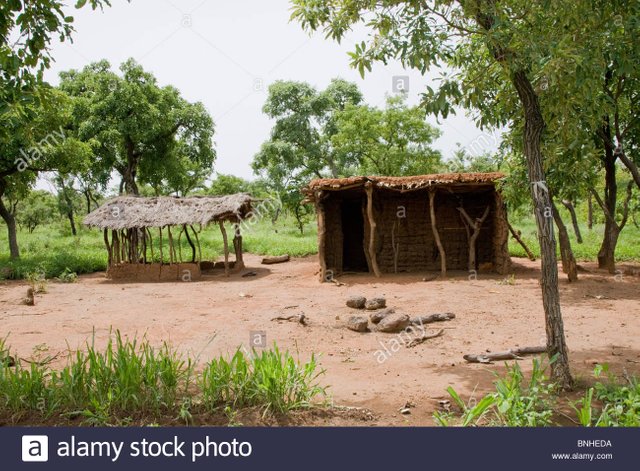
(415, 182)
(125, 212)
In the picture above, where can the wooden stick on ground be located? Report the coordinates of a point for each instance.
(273, 260)
(513, 354)
(423, 338)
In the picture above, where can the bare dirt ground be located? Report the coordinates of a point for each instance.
(601, 315)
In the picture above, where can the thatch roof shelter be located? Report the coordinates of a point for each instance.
(384, 224)
(126, 212)
(130, 220)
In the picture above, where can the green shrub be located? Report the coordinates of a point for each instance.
(513, 404)
(620, 402)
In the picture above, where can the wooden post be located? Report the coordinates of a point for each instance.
(172, 252)
(436, 235)
(225, 242)
(237, 247)
(106, 242)
(372, 229)
(180, 244)
(193, 247)
(115, 244)
(150, 243)
(322, 234)
(161, 257)
(198, 244)
(472, 237)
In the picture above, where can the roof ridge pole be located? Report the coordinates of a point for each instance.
(372, 229)
(436, 235)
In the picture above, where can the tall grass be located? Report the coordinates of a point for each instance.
(129, 379)
(271, 379)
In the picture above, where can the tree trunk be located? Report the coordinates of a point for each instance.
(606, 254)
(72, 222)
(533, 128)
(590, 212)
(569, 265)
(574, 219)
(131, 169)
(12, 232)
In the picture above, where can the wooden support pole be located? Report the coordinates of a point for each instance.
(322, 235)
(172, 250)
(106, 242)
(193, 247)
(516, 236)
(150, 243)
(225, 242)
(115, 246)
(237, 247)
(372, 230)
(161, 257)
(473, 231)
(180, 245)
(436, 235)
(197, 243)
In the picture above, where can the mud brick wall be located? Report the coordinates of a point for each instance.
(403, 219)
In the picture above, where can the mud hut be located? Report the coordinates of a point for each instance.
(382, 225)
(131, 224)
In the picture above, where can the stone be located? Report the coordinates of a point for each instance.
(356, 302)
(357, 323)
(393, 323)
(377, 316)
(374, 304)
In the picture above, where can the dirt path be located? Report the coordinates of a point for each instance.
(217, 314)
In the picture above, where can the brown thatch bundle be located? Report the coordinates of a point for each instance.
(414, 182)
(125, 212)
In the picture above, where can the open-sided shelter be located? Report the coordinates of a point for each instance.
(131, 224)
(383, 224)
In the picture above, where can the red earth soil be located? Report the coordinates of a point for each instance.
(216, 315)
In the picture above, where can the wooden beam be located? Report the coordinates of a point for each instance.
(172, 253)
(473, 231)
(150, 243)
(237, 247)
(106, 242)
(372, 229)
(225, 241)
(436, 235)
(193, 247)
(161, 258)
(197, 243)
(322, 235)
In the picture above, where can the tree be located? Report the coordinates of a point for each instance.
(507, 40)
(145, 132)
(26, 31)
(37, 142)
(36, 209)
(228, 184)
(394, 141)
(306, 121)
(462, 161)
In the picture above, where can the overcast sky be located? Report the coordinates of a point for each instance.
(225, 53)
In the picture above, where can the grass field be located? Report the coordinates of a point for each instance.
(52, 250)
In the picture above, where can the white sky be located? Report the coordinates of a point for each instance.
(225, 53)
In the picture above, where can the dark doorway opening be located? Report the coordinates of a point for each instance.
(353, 257)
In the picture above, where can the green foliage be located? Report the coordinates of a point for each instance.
(130, 379)
(38, 208)
(514, 404)
(67, 276)
(147, 133)
(620, 402)
(393, 141)
(271, 379)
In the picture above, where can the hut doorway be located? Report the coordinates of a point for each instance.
(353, 257)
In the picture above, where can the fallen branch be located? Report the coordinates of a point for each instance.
(299, 318)
(516, 236)
(273, 260)
(513, 354)
(438, 317)
(423, 338)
